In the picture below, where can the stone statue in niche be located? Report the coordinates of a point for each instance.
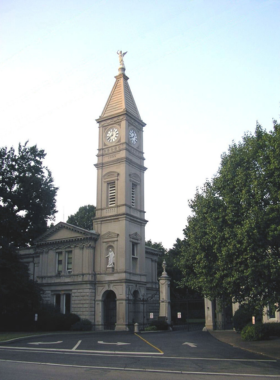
(111, 259)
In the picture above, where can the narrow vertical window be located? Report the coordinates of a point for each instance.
(57, 299)
(271, 310)
(59, 262)
(133, 195)
(67, 306)
(134, 249)
(111, 194)
(69, 261)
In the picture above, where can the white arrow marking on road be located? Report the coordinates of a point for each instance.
(117, 344)
(190, 344)
(77, 345)
(37, 343)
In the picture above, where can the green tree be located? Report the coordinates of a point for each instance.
(27, 203)
(231, 248)
(83, 217)
(19, 296)
(27, 195)
(171, 258)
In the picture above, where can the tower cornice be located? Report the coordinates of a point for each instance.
(121, 216)
(121, 160)
(108, 150)
(111, 118)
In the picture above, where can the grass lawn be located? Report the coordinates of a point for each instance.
(4, 336)
(12, 335)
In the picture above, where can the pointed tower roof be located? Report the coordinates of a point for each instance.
(121, 98)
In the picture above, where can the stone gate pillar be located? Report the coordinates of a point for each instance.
(164, 295)
(209, 314)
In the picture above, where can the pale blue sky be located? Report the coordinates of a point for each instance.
(201, 72)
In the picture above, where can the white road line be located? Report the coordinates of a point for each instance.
(114, 344)
(128, 354)
(147, 370)
(61, 350)
(38, 343)
(77, 345)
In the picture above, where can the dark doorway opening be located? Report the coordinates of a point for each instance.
(110, 310)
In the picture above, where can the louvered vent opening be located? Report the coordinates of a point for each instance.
(133, 195)
(112, 194)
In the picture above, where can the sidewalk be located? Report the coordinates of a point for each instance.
(269, 347)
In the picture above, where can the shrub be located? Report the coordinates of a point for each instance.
(160, 324)
(274, 329)
(258, 331)
(82, 325)
(150, 328)
(16, 322)
(243, 316)
(68, 320)
(49, 319)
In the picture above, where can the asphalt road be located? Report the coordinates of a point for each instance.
(118, 355)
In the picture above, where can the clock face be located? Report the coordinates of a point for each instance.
(133, 136)
(112, 135)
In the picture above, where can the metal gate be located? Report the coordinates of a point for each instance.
(188, 313)
(143, 310)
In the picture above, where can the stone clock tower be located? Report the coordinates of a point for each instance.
(120, 263)
(106, 275)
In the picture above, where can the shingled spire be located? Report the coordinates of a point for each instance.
(121, 98)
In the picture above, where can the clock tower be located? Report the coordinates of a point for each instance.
(120, 262)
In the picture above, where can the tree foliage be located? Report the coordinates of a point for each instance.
(83, 217)
(171, 258)
(27, 194)
(19, 295)
(231, 248)
(27, 203)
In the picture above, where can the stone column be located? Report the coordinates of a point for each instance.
(99, 315)
(209, 314)
(122, 315)
(164, 295)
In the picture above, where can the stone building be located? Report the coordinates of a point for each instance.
(221, 319)
(106, 274)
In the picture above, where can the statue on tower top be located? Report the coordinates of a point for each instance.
(121, 55)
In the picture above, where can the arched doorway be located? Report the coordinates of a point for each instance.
(110, 309)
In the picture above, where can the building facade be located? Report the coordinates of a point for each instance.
(105, 274)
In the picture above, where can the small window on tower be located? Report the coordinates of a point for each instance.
(111, 194)
(133, 195)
